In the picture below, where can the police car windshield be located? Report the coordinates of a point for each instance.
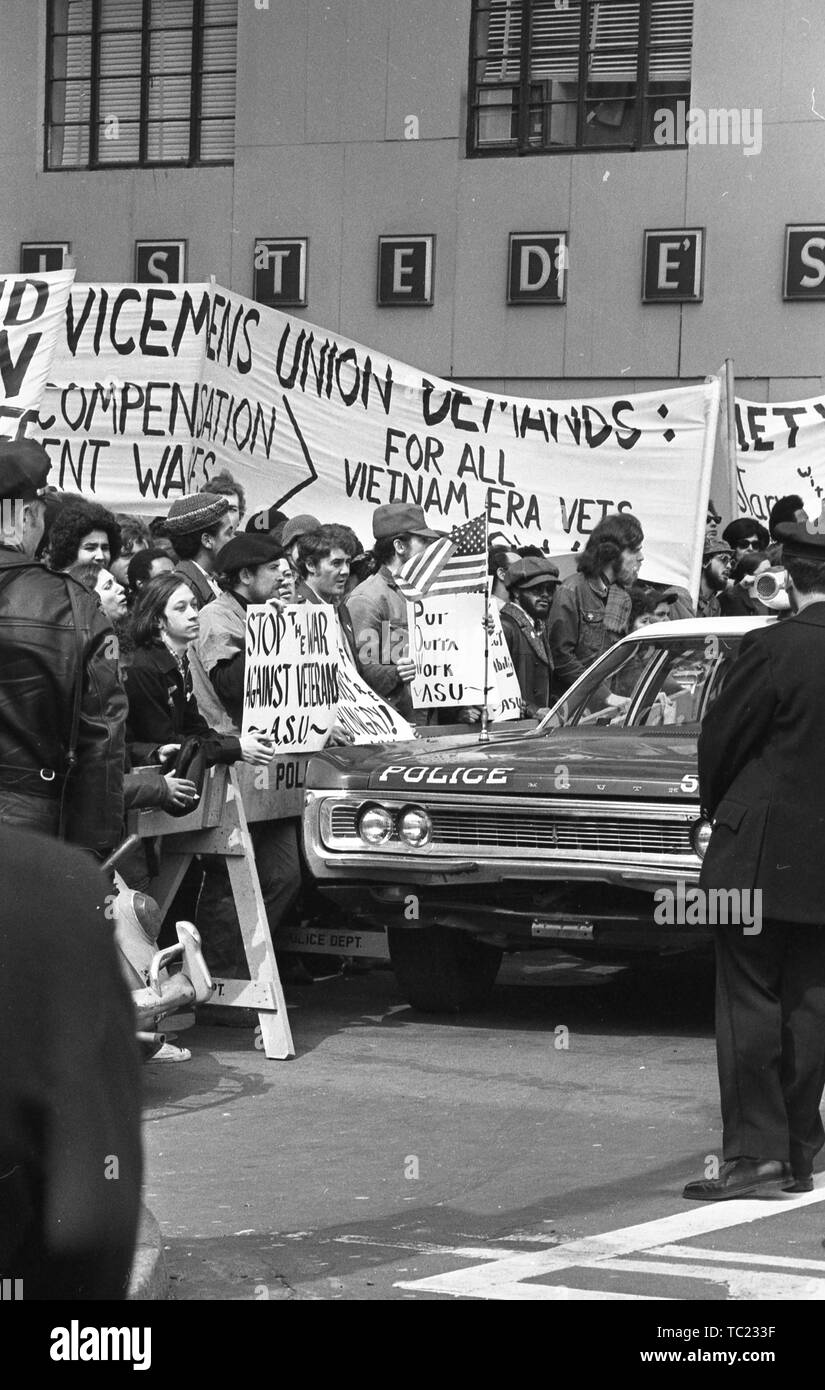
(647, 683)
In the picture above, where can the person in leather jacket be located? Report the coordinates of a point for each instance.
(58, 657)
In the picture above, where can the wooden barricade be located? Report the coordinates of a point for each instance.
(233, 798)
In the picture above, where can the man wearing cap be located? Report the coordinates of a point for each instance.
(62, 706)
(217, 657)
(717, 558)
(379, 611)
(199, 525)
(762, 780)
(531, 584)
(292, 533)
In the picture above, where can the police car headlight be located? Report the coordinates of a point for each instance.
(375, 825)
(414, 826)
(700, 835)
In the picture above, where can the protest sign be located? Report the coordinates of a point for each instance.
(165, 385)
(504, 691)
(120, 411)
(447, 646)
(780, 450)
(362, 714)
(291, 675)
(32, 318)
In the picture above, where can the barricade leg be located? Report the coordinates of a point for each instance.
(263, 991)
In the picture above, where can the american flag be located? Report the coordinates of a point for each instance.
(449, 565)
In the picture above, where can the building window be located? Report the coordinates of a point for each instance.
(140, 82)
(561, 75)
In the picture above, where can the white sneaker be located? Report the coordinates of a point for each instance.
(169, 1053)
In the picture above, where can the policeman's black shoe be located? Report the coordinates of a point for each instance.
(802, 1182)
(741, 1177)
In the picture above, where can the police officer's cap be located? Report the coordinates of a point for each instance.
(802, 540)
(246, 550)
(24, 467)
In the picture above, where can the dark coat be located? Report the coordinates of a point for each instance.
(762, 770)
(163, 709)
(70, 1088)
(530, 655)
(42, 658)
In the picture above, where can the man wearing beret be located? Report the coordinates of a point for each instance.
(62, 706)
(762, 781)
(379, 611)
(199, 525)
(250, 564)
(531, 584)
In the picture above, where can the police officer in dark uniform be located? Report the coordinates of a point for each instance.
(62, 706)
(762, 780)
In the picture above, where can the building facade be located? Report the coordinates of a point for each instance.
(225, 123)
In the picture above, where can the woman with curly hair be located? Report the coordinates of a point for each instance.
(83, 532)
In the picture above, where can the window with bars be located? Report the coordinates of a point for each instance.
(561, 75)
(140, 82)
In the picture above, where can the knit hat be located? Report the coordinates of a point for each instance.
(196, 512)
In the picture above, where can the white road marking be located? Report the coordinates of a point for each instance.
(693, 1252)
(503, 1278)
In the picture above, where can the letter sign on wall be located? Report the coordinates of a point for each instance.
(537, 268)
(280, 272)
(160, 262)
(804, 262)
(673, 266)
(37, 256)
(405, 270)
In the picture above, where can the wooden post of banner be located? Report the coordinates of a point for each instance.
(730, 418)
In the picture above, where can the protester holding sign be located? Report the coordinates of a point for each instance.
(532, 584)
(324, 559)
(162, 706)
(379, 611)
(250, 564)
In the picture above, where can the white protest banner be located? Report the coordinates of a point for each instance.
(780, 451)
(32, 318)
(291, 675)
(447, 646)
(352, 428)
(298, 412)
(504, 691)
(362, 714)
(120, 411)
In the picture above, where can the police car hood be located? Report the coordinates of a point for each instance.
(639, 763)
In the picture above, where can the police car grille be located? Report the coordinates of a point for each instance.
(500, 830)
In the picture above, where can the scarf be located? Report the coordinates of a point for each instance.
(616, 612)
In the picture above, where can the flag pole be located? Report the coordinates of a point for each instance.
(484, 732)
(730, 422)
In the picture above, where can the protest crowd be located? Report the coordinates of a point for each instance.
(122, 680)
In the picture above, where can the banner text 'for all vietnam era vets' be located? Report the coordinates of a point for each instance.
(165, 385)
